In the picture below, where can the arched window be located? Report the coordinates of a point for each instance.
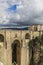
(35, 28)
(27, 36)
(1, 38)
(17, 42)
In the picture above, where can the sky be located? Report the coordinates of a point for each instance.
(21, 12)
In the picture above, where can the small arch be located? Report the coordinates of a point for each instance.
(27, 36)
(16, 42)
(15, 35)
(1, 38)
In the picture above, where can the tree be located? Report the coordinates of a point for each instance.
(34, 47)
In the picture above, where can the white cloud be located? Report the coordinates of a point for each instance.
(20, 7)
(18, 17)
(27, 10)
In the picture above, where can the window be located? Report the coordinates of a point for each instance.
(35, 28)
(27, 36)
(15, 35)
(1, 38)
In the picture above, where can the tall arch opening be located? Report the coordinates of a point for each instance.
(1, 48)
(16, 52)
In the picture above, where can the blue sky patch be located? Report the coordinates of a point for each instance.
(12, 8)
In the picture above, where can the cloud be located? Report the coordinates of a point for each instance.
(30, 11)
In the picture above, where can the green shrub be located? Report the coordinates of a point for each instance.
(14, 63)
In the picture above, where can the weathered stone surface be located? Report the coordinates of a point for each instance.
(10, 36)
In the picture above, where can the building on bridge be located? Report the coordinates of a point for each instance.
(14, 44)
